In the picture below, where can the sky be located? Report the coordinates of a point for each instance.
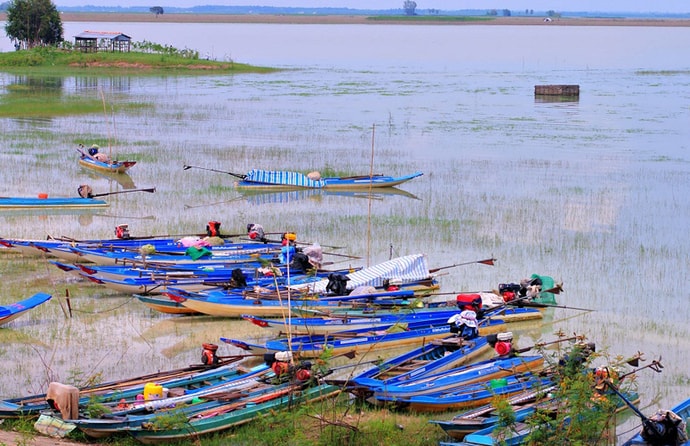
(674, 6)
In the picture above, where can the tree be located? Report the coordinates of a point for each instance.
(156, 10)
(33, 23)
(409, 6)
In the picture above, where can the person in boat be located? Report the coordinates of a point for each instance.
(256, 232)
(464, 324)
(96, 154)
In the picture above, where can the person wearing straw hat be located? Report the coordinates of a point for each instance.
(464, 324)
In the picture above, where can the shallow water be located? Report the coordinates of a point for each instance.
(590, 191)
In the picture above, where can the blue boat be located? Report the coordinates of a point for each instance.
(519, 432)
(11, 312)
(45, 202)
(361, 341)
(446, 381)
(262, 179)
(324, 325)
(468, 395)
(189, 380)
(484, 417)
(433, 357)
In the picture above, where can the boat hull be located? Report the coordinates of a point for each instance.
(25, 203)
(112, 167)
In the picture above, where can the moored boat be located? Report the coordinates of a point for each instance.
(258, 178)
(45, 202)
(12, 311)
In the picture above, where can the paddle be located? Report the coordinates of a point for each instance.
(544, 344)
(105, 194)
(489, 262)
(306, 244)
(237, 175)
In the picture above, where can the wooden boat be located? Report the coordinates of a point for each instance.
(468, 395)
(361, 341)
(262, 179)
(486, 416)
(110, 167)
(219, 420)
(243, 393)
(322, 326)
(45, 202)
(431, 358)
(519, 432)
(238, 253)
(88, 160)
(188, 377)
(681, 410)
(220, 303)
(446, 381)
(164, 305)
(11, 312)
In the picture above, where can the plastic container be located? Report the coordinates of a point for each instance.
(152, 391)
(498, 383)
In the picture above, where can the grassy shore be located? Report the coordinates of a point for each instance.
(362, 19)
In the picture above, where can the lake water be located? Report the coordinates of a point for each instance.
(592, 191)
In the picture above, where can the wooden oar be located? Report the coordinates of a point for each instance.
(307, 244)
(544, 344)
(237, 175)
(149, 190)
(489, 262)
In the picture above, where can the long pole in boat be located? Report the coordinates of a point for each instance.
(371, 176)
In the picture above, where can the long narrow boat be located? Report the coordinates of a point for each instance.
(354, 318)
(37, 203)
(237, 253)
(361, 341)
(433, 357)
(11, 312)
(189, 377)
(262, 179)
(226, 303)
(469, 395)
(445, 381)
(322, 326)
(517, 434)
(164, 304)
(484, 417)
(243, 393)
(216, 422)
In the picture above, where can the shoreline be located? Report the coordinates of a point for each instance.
(357, 20)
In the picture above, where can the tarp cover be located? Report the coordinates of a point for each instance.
(281, 177)
(407, 268)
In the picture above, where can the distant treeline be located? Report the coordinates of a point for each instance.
(273, 10)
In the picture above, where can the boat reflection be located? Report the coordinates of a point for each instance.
(258, 197)
(123, 179)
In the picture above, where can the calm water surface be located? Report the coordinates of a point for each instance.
(591, 191)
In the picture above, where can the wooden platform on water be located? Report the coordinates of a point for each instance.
(557, 90)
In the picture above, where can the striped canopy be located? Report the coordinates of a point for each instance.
(407, 268)
(282, 178)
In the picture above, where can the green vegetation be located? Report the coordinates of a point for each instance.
(32, 23)
(67, 62)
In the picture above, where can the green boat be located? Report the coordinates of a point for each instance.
(235, 416)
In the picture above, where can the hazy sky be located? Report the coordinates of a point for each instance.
(557, 5)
